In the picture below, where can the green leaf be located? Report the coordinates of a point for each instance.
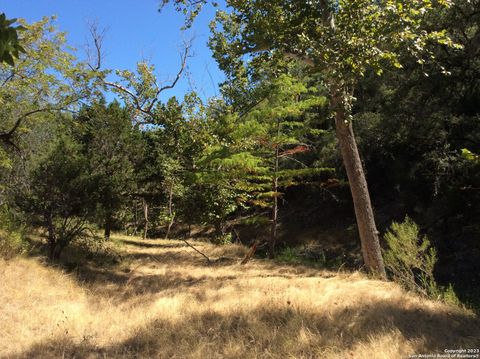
(8, 59)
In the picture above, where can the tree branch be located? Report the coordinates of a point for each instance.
(144, 106)
(97, 37)
(196, 250)
(6, 136)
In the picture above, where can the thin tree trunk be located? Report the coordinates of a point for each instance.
(136, 213)
(59, 249)
(170, 210)
(170, 226)
(52, 238)
(108, 224)
(135, 228)
(358, 185)
(145, 214)
(273, 228)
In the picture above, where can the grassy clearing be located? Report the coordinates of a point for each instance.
(163, 300)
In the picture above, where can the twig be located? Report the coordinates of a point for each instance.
(196, 250)
(252, 251)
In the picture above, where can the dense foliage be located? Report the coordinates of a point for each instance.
(261, 163)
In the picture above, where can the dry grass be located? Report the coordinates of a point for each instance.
(163, 301)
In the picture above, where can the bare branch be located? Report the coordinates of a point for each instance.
(98, 35)
(129, 93)
(6, 137)
(141, 104)
(294, 159)
(8, 78)
(196, 250)
(183, 57)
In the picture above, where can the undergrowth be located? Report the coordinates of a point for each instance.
(410, 259)
(12, 241)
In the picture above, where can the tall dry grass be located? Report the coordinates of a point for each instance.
(164, 301)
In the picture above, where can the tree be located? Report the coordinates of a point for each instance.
(111, 145)
(62, 195)
(206, 197)
(260, 160)
(10, 47)
(46, 80)
(340, 40)
(411, 130)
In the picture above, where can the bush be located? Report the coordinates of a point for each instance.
(307, 257)
(411, 259)
(289, 255)
(11, 244)
(11, 239)
(63, 195)
(223, 239)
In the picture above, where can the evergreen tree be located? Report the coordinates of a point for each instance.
(111, 145)
(62, 194)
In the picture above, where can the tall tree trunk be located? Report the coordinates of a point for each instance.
(273, 228)
(108, 224)
(145, 215)
(135, 228)
(372, 255)
(170, 210)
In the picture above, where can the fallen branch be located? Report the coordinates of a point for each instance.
(196, 250)
(252, 251)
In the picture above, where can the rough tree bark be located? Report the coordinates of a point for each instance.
(358, 185)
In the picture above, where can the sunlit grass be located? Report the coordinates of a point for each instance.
(164, 300)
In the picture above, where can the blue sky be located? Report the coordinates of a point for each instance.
(135, 31)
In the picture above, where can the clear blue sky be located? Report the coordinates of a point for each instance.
(135, 31)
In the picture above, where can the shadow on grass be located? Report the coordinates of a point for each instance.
(278, 333)
(144, 244)
(76, 254)
(181, 258)
(125, 286)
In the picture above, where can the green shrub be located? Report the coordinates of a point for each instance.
(305, 257)
(12, 242)
(448, 295)
(289, 255)
(223, 239)
(411, 259)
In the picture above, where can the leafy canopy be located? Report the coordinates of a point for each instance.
(10, 47)
(342, 39)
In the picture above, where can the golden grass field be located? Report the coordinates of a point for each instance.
(163, 301)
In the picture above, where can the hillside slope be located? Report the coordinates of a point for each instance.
(164, 301)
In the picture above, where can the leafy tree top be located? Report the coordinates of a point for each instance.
(342, 39)
(47, 79)
(10, 47)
